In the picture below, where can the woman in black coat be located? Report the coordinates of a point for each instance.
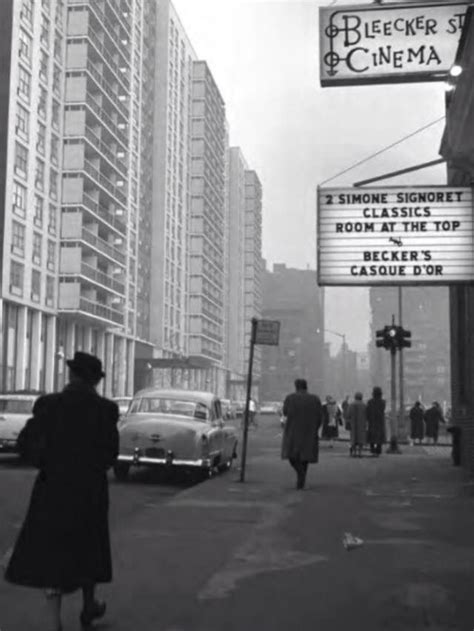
(376, 422)
(64, 543)
(417, 423)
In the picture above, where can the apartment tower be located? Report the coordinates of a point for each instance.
(207, 226)
(32, 52)
(100, 196)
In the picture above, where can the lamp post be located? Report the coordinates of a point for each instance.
(344, 348)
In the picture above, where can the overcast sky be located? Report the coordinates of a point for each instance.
(295, 134)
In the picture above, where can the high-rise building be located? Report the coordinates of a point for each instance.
(207, 224)
(100, 196)
(32, 53)
(293, 297)
(253, 261)
(236, 168)
(171, 200)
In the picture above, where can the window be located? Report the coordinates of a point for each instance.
(22, 122)
(35, 285)
(43, 70)
(42, 102)
(27, 11)
(37, 248)
(38, 218)
(57, 46)
(39, 176)
(18, 238)
(55, 150)
(17, 272)
(49, 290)
(41, 142)
(55, 115)
(57, 80)
(53, 184)
(52, 219)
(19, 199)
(21, 159)
(44, 31)
(51, 255)
(25, 46)
(24, 84)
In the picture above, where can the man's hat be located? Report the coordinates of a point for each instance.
(86, 365)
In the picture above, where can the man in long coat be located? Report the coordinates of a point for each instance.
(300, 436)
(64, 543)
(376, 421)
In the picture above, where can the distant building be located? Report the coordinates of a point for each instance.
(293, 297)
(426, 363)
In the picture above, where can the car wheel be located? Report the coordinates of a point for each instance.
(121, 470)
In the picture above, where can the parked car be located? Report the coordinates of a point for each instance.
(175, 428)
(123, 404)
(15, 409)
(269, 407)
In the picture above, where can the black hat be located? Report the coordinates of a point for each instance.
(87, 366)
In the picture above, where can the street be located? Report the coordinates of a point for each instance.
(262, 556)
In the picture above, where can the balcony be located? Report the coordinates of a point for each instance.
(101, 278)
(101, 49)
(107, 26)
(99, 212)
(99, 145)
(96, 309)
(100, 180)
(106, 89)
(102, 246)
(120, 18)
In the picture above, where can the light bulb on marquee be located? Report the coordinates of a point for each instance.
(455, 70)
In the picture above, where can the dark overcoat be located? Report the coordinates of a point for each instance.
(433, 417)
(358, 420)
(417, 423)
(64, 541)
(303, 420)
(376, 421)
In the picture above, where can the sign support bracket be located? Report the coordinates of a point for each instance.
(386, 176)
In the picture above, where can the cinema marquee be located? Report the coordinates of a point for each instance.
(388, 43)
(395, 236)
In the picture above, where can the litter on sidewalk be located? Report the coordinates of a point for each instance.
(350, 542)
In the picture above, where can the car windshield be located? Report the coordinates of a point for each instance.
(16, 406)
(163, 405)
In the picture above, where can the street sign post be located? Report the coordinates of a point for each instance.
(266, 332)
(389, 43)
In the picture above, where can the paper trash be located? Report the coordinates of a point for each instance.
(350, 542)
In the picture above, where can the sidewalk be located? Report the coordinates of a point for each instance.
(261, 556)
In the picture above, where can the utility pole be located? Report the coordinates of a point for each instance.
(247, 400)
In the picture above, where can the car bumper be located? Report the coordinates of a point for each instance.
(169, 460)
(7, 445)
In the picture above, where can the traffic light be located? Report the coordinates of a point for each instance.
(380, 338)
(404, 336)
(388, 337)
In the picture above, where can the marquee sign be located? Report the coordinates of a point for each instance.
(395, 236)
(389, 43)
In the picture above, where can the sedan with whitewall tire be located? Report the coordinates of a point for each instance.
(175, 429)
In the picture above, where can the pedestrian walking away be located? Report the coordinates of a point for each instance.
(332, 418)
(303, 412)
(417, 423)
(252, 413)
(433, 417)
(376, 422)
(64, 543)
(358, 420)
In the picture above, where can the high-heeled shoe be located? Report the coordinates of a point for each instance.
(88, 616)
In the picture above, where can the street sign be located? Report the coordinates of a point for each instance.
(389, 43)
(267, 332)
(395, 236)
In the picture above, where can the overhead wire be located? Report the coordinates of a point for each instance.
(387, 148)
